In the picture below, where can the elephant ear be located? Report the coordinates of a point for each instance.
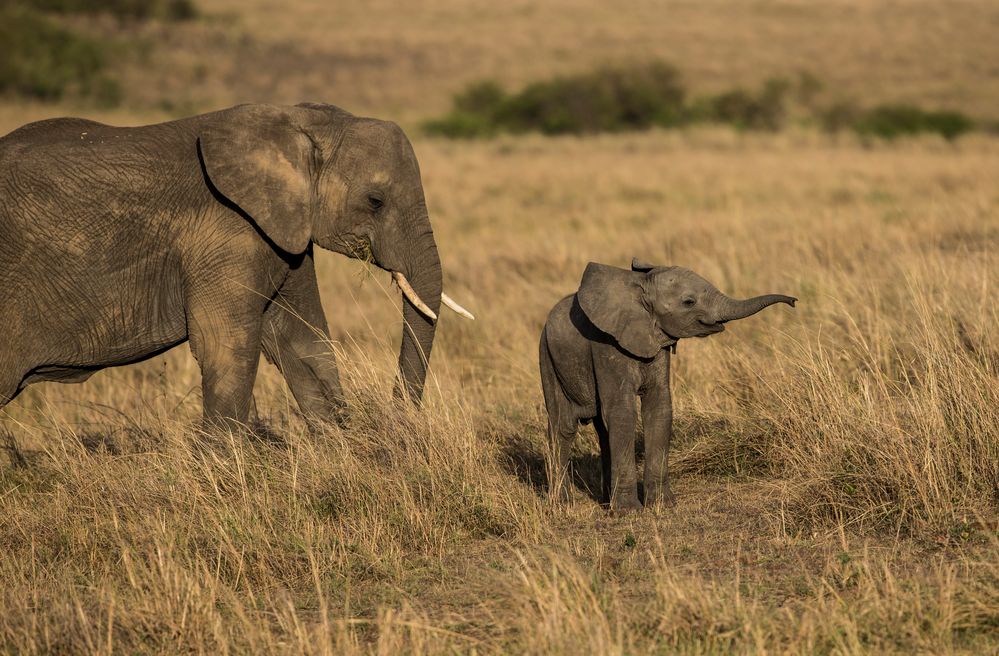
(260, 159)
(612, 300)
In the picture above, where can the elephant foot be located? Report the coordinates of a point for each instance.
(659, 497)
(220, 425)
(339, 415)
(261, 432)
(335, 416)
(626, 505)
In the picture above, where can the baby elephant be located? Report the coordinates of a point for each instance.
(609, 343)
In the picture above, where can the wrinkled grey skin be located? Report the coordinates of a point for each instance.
(609, 344)
(117, 244)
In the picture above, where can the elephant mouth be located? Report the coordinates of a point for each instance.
(355, 246)
(711, 328)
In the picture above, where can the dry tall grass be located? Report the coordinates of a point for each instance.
(837, 466)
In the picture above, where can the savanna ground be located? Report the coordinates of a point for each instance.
(836, 465)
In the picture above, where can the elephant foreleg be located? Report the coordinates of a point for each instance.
(296, 340)
(228, 358)
(224, 333)
(619, 416)
(657, 418)
(603, 439)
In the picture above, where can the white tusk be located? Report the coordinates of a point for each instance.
(413, 297)
(448, 301)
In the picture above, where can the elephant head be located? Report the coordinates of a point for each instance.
(316, 173)
(650, 307)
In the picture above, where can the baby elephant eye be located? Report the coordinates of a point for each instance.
(689, 302)
(375, 203)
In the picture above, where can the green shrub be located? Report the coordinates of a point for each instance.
(841, 115)
(807, 89)
(765, 110)
(474, 115)
(891, 121)
(607, 100)
(460, 125)
(640, 97)
(124, 9)
(481, 98)
(41, 59)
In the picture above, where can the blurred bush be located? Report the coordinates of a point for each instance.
(606, 100)
(640, 97)
(124, 9)
(840, 115)
(891, 121)
(41, 59)
(474, 114)
(764, 110)
(44, 58)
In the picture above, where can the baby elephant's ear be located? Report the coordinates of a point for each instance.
(611, 298)
(643, 267)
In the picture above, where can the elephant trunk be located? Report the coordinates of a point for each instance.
(421, 268)
(730, 309)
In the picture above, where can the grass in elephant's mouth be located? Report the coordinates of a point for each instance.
(836, 467)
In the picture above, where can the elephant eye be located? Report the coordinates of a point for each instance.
(375, 203)
(689, 302)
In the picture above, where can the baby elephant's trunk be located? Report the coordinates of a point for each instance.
(730, 309)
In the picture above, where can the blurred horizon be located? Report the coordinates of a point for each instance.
(405, 62)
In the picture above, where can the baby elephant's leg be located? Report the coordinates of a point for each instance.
(563, 421)
(561, 433)
(657, 418)
(603, 437)
(618, 415)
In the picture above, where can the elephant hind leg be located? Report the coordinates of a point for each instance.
(560, 439)
(563, 422)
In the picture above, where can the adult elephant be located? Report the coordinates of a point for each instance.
(117, 244)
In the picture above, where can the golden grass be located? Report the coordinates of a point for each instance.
(837, 466)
